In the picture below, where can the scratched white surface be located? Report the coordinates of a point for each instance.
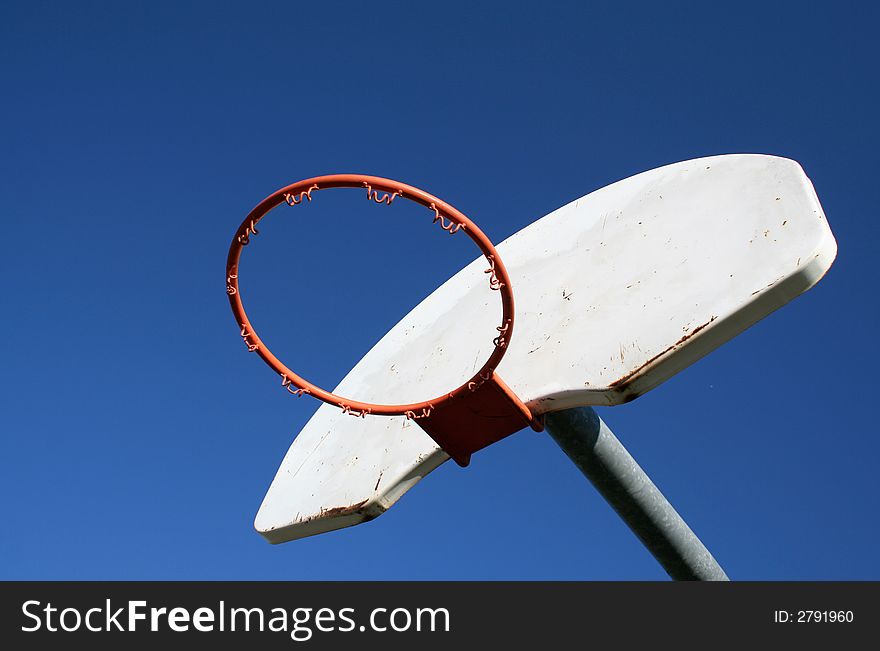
(615, 293)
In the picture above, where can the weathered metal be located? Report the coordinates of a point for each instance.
(594, 449)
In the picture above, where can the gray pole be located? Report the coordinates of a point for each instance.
(605, 462)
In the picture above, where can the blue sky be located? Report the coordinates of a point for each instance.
(138, 437)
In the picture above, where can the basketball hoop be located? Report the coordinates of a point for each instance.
(468, 418)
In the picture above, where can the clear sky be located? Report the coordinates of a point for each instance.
(138, 437)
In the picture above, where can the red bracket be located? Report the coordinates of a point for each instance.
(478, 418)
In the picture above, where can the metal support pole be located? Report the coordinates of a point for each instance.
(605, 462)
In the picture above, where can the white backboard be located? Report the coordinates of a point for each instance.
(615, 293)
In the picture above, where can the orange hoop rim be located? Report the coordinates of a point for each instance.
(449, 218)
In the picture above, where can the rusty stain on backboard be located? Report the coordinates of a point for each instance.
(620, 383)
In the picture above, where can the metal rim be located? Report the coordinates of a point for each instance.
(450, 219)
